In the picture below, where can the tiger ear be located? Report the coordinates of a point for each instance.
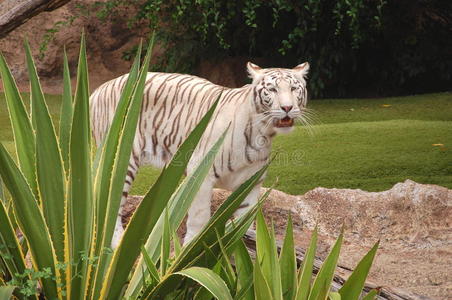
(254, 71)
(302, 69)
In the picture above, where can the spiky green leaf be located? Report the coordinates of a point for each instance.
(166, 244)
(24, 137)
(244, 269)
(30, 219)
(268, 256)
(288, 263)
(322, 282)
(261, 287)
(305, 273)
(80, 202)
(107, 156)
(353, 287)
(49, 165)
(152, 269)
(67, 110)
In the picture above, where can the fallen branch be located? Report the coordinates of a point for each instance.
(386, 293)
(14, 13)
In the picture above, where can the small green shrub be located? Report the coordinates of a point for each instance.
(276, 276)
(228, 271)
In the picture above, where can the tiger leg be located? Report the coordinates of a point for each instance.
(130, 177)
(249, 201)
(199, 212)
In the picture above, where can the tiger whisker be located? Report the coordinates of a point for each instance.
(307, 125)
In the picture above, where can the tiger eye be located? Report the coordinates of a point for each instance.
(272, 90)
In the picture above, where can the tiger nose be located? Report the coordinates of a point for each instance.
(286, 108)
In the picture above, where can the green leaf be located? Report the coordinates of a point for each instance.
(322, 282)
(67, 110)
(106, 157)
(353, 287)
(24, 137)
(165, 245)
(261, 288)
(30, 219)
(118, 271)
(371, 295)
(6, 292)
(152, 269)
(80, 202)
(123, 152)
(288, 264)
(48, 162)
(2, 193)
(208, 279)
(305, 273)
(228, 270)
(276, 283)
(263, 247)
(244, 269)
(267, 255)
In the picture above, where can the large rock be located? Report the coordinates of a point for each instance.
(411, 220)
(409, 214)
(106, 43)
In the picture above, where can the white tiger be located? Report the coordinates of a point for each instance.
(172, 106)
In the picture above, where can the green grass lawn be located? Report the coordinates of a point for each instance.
(369, 144)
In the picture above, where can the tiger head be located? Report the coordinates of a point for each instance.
(280, 95)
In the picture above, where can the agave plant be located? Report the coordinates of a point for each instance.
(64, 198)
(275, 276)
(228, 272)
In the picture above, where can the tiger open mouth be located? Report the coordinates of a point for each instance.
(285, 122)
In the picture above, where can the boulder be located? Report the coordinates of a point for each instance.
(106, 43)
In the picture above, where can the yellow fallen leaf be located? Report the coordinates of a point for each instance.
(438, 145)
(386, 105)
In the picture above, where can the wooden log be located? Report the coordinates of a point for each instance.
(342, 273)
(14, 13)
